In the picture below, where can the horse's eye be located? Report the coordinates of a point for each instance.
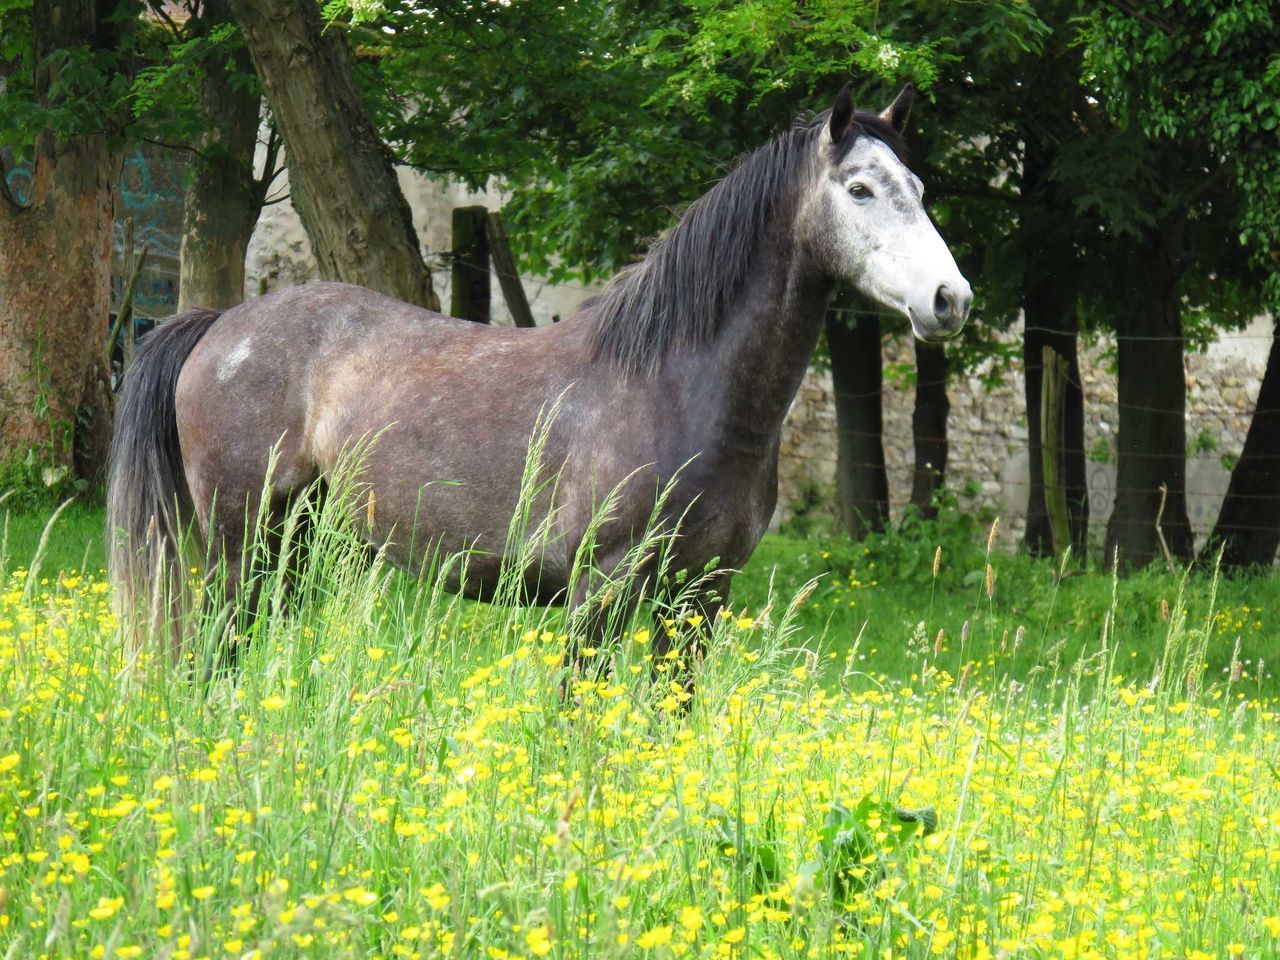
(860, 191)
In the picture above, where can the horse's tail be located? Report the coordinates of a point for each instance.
(148, 501)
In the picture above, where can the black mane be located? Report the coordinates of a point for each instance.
(678, 294)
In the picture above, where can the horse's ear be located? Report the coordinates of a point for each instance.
(896, 113)
(841, 113)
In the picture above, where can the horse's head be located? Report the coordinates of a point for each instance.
(865, 224)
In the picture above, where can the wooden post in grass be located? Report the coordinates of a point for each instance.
(504, 264)
(469, 280)
(1053, 395)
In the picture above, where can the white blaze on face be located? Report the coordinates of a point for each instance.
(871, 231)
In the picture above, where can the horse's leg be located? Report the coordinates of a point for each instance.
(243, 538)
(231, 545)
(597, 623)
(695, 619)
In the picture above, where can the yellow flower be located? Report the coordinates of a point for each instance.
(107, 907)
(273, 702)
(657, 937)
(361, 896)
(202, 893)
(538, 940)
(8, 762)
(436, 897)
(691, 919)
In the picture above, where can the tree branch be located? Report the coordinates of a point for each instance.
(270, 171)
(1185, 204)
(185, 147)
(159, 12)
(1164, 26)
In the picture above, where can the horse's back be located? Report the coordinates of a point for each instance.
(313, 371)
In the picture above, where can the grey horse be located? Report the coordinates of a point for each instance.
(679, 373)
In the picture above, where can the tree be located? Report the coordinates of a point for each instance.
(1049, 240)
(341, 177)
(224, 198)
(862, 483)
(65, 67)
(1248, 526)
(198, 97)
(929, 427)
(1203, 77)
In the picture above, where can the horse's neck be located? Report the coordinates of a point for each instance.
(743, 383)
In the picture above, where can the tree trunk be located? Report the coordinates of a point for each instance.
(1152, 437)
(341, 178)
(1051, 322)
(1048, 235)
(862, 485)
(929, 427)
(1248, 524)
(223, 200)
(55, 259)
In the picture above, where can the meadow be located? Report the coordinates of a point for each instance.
(918, 746)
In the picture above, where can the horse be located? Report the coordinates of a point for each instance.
(670, 387)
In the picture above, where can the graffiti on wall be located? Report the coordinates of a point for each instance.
(151, 195)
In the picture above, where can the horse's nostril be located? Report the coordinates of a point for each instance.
(944, 303)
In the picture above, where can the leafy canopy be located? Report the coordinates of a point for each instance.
(1209, 70)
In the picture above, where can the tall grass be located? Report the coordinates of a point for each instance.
(393, 772)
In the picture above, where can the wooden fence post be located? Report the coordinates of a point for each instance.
(1053, 396)
(504, 264)
(469, 276)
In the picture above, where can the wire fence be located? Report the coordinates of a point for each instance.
(443, 261)
(1005, 468)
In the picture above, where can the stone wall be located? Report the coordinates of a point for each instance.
(987, 429)
(280, 254)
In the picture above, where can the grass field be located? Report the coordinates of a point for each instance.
(879, 595)
(1081, 771)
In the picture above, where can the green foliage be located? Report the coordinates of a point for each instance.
(176, 57)
(1205, 442)
(42, 476)
(168, 87)
(145, 88)
(1203, 70)
(599, 117)
(32, 483)
(858, 847)
(757, 855)
(77, 90)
